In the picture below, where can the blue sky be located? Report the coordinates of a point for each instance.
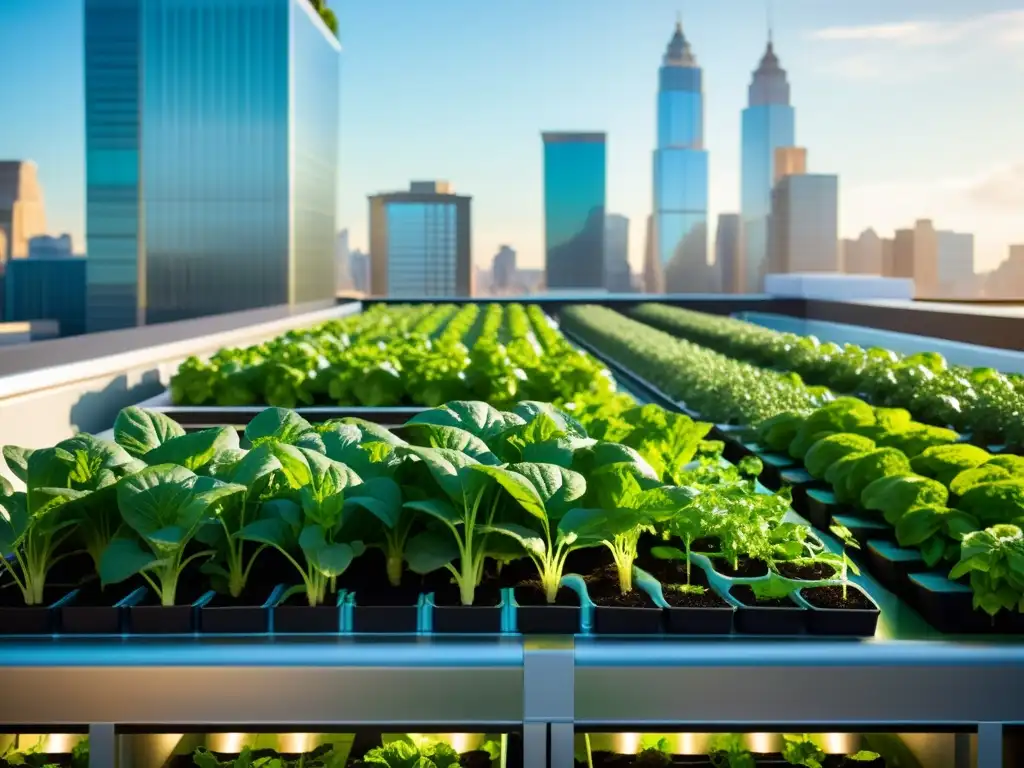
(914, 103)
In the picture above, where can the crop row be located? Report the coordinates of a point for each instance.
(982, 401)
(476, 507)
(390, 356)
(957, 503)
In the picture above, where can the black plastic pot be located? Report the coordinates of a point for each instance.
(789, 619)
(220, 616)
(775, 466)
(892, 565)
(384, 619)
(847, 622)
(700, 621)
(34, 619)
(306, 619)
(79, 618)
(821, 506)
(467, 619)
(165, 620)
(548, 619)
(616, 620)
(948, 606)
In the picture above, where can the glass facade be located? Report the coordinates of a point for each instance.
(227, 214)
(681, 172)
(47, 289)
(116, 266)
(769, 122)
(422, 243)
(316, 89)
(574, 210)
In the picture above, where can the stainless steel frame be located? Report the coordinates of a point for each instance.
(547, 687)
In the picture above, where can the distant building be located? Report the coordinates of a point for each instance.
(360, 264)
(728, 255)
(211, 145)
(617, 277)
(343, 262)
(915, 255)
(1007, 280)
(888, 257)
(955, 267)
(420, 242)
(24, 333)
(46, 247)
(574, 210)
(22, 211)
(769, 122)
(680, 171)
(789, 161)
(503, 269)
(863, 256)
(804, 224)
(653, 275)
(47, 289)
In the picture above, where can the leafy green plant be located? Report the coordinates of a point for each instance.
(728, 750)
(846, 565)
(164, 506)
(994, 558)
(405, 754)
(800, 749)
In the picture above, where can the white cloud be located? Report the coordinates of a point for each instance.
(1001, 189)
(1006, 27)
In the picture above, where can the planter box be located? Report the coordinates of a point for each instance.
(892, 565)
(78, 619)
(700, 621)
(865, 529)
(166, 620)
(384, 619)
(466, 619)
(776, 467)
(616, 620)
(948, 606)
(821, 507)
(307, 619)
(34, 619)
(548, 619)
(237, 619)
(787, 619)
(848, 622)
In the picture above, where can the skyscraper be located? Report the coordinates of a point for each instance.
(769, 122)
(864, 256)
(22, 212)
(343, 262)
(503, 269)
(211, 157)
(804, 224)
(915, 254)
(617, 276)
(955, 262)
(574, 208)
(420, 242)
(728, 253)
(681, 169)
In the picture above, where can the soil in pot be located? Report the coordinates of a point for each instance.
(510, 574)
(486, 595)
(746, 568)
(746, 595)
(587, 560)
(806, 571)
(705, 545)
(670, 571)
(603, 588)
(692, 598)
(832, 597)
(530, 593)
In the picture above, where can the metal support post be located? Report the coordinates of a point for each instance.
(990, 745)
(102, 745)
(548, 701)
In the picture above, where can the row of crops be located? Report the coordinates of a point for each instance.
(953, 508)
(529, 494)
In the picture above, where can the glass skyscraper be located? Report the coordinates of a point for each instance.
(680, 172)
(769, 122)
(211, 157)
(575, 176)
(420, 242)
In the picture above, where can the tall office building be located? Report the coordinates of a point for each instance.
(420, 242)
(863, 256)
(681, 169)
(804, 224)
(574, 210)
(360, 271)
(211, 157)
(47, 288)
(503, 269)
(617, 276)
(728, 252)
(22, 211)
(343, 262)
(653, 276)
(769, 122)
(915, 254)
(955, 262)
(1007, 280)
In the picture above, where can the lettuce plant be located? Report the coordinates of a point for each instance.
(846, 565)
(164, 506)
(310, 519)
(994, 558)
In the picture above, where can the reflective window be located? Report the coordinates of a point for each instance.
(422, 243)
(574, 208)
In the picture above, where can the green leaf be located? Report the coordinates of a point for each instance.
(517, 486)
(438, 509)
(919, 524)
(17, 460)
(373, 432)
(14, 520)
(531, 410)
(381, 497)
(478, 418)
(294, 466)
(528, 539)
(559, 488)
(270, 530)
(668, 553)
(122, 559)
(194, 450)
(444, 466)
(451, 438)
(596, 525)
(283, 426)
(139, 431)
(430, 550)
(329, 558)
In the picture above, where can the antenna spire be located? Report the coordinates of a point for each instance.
(770, 20)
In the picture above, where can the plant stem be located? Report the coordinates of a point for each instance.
(689, 542)
(394, 567)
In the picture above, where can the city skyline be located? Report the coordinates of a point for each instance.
(834, 57)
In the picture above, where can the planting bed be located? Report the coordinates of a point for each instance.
(955, 509)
